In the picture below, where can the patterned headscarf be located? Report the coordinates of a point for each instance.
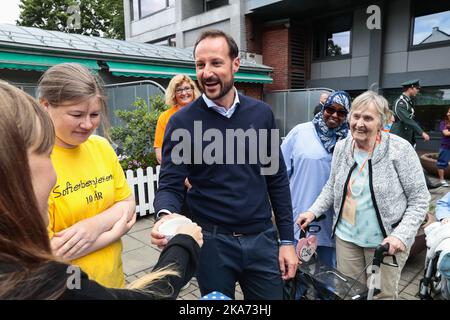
(328, 136)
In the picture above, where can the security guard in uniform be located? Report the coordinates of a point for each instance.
(405, 126)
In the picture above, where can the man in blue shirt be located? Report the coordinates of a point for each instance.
(234, 187)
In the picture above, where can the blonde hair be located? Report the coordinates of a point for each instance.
(154, 277)
(389, 115)
(171, 99)
(370, 97)
(73, 83)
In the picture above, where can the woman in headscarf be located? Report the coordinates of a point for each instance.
(307, 151)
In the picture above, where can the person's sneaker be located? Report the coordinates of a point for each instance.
(444, 183)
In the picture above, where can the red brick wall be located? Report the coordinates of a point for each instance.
(253, 35)
(253, 90)
(275, 51)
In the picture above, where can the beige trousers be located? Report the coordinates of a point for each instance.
(352, 260)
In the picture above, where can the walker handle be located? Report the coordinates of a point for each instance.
(380, 252)
(312, 228)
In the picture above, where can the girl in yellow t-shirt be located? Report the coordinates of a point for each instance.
(28, 269)
(180, 92)
(91, 206)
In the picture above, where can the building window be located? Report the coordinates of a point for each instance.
(431, 22)
(338, 43)
(149, 7)
(168, 42)
(332, 38)
(213, 4)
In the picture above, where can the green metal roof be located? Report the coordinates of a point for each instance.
(23, 61)
(155, 71)
(15, 37)
(27, 48)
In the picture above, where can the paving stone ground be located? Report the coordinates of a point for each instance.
(139, 257)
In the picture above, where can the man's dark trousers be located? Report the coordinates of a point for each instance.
(252, 260)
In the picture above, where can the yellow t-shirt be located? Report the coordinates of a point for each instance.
(161, 126)
(89, 181)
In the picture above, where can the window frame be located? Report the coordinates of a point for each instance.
(205, 5)
(170, 41)
(323, 30)
(153, 13)
(411, 45)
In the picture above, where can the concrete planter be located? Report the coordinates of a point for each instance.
(429, 160)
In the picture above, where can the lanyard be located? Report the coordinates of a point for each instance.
(369, 155)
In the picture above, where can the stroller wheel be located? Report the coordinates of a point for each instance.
(424, 291)
(433, 288)
(436, 284)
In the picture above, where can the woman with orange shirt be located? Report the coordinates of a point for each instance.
(180, 92)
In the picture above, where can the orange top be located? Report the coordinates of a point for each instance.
(161, 126)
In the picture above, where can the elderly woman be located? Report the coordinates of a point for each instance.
(307, 152)
(378, 192)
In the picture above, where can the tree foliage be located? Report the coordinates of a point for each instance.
(86, 17)
(333, 49)
(136, 136)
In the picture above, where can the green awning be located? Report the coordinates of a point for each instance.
(147, 70)
(154, 71)
(34, 62)
(252, 77)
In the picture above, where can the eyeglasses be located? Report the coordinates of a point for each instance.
(340, 113)
(180, 90)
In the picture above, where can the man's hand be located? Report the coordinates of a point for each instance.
(158, 238)
(395, 245)
(425, 136)
(288, 262)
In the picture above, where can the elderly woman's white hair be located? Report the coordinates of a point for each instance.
(370, 97)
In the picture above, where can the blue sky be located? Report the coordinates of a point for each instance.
(342, 39)
(424, 25)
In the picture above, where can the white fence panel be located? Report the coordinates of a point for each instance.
(146, 185)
